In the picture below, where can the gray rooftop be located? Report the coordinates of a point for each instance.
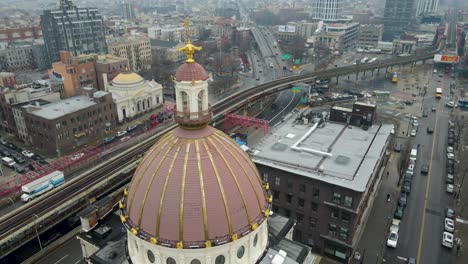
(64, 107)
(336, 154)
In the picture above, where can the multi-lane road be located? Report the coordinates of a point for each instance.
(422, 224)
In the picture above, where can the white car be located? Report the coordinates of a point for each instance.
(121, 133)
(435, 70)
(392, 239)
(449, 149)
(27, 153)
(77, 156)
(450, 156)
(413, 133)
(449, 225)
(392, 131)
(447, 240)
(449, 188)
(125, 138)
(450, 104)
(411, 168)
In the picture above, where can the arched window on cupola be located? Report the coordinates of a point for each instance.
(185, 101)
(201, 98)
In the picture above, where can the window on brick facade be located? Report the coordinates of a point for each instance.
(302, 188)
(290, 184)
(332, 230)
(313, 207)
(288, 198)
(277, 181)
(287, 213)
(300, 218)
(301, 202)
(345, 217)
(315, 193)
(336, 198)
(334, 213)
(348, 201)
(343, 233)
(312, 222)
(265, 177)
(276, 194)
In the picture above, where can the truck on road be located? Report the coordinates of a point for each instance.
(41, 185)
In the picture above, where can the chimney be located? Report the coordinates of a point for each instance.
(104, 80)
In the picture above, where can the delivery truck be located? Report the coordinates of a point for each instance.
(41, 185)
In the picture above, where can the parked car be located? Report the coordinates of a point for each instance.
(121, 133)
(77, 156)
(131, 128)
(407, 187)
(424, 169)
(450, 156)
(6, 153)
(125, 138)
(447, 239)
(450, 213)
(12, 146)
(449, 149)
(18, 158)
(449, 179)
(413, 133)
(19, 169)
(449, 225)
(109, 140)
(449, 188)
(402, 199)
(392, 239)
(450, 170)
(3, 142)
(27, 153)
(399, 212)
(450, 104)
(450, 142)
(397, 147)
(434, 108)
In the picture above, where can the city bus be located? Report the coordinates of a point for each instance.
(438, 93)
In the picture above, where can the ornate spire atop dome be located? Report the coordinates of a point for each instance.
(189, 49)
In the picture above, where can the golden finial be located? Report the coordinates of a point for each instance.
(189, 49)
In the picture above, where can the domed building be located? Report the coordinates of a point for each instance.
(196, 197)
(134, 95)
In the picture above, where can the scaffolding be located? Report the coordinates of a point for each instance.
(246, 121)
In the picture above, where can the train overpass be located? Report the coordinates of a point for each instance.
(24, 223)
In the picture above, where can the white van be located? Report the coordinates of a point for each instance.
(9, 162)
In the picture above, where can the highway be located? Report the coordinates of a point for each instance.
(422, 225)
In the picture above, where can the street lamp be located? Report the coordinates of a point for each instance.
(35, 228)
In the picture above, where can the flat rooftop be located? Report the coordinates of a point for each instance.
(336, 153)
(64, 107)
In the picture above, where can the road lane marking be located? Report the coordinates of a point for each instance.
(459, 220)
(402, 258)
(64, 257)
(78, 261)
(428, 183)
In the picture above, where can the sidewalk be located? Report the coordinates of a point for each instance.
(372, 243)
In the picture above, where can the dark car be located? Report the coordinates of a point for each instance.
(12, 146)
(433, 109)
(397, 147)
(6, 153)
(31, 167)
(42, 162)
(450, 163)
(449, 179)
(402, 200)
(19, 169)
(407, 187)
(424, 169)
(430, 130)
(131, 128)
(449, 213)
(451, 135)
(408, 176)
(424, 113)
(450, 142)
(399, 212)
(18, 159)
(450, 170)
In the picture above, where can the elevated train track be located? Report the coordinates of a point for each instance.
(17, 227)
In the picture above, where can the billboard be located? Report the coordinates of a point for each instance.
(446, 58)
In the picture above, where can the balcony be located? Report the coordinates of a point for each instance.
(193, 119)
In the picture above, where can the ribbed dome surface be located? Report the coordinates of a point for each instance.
(190, 71)
(127, 78)
(195, 185)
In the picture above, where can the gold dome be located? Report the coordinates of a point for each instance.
(127, 78)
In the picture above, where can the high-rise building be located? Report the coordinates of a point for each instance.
(126, 10)
(135, 48)
(78, 30)
(427, 7)
(398, 15)
(326, 10)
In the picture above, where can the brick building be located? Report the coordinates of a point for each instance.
(111, 66)
(76, 72)
(137, 49)
(62, 126)
(324, 175)
(7, 79)
(12, 34)
(369, 36)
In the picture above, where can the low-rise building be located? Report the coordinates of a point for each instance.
(324, 174)
(167, 49)
(369, 36)
(111, 66)
(62, 126)
(12, 34)
(287, 32)
(135, 48)
(74, 72)
(134, 95)
(18, 57)
(404, 46)
(350, 31)
(7, 79)
(331, 40)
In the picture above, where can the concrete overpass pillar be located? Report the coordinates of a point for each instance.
(378, 71)
(337, 78)
(372, 73)
(348, 76)
(357, 76)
